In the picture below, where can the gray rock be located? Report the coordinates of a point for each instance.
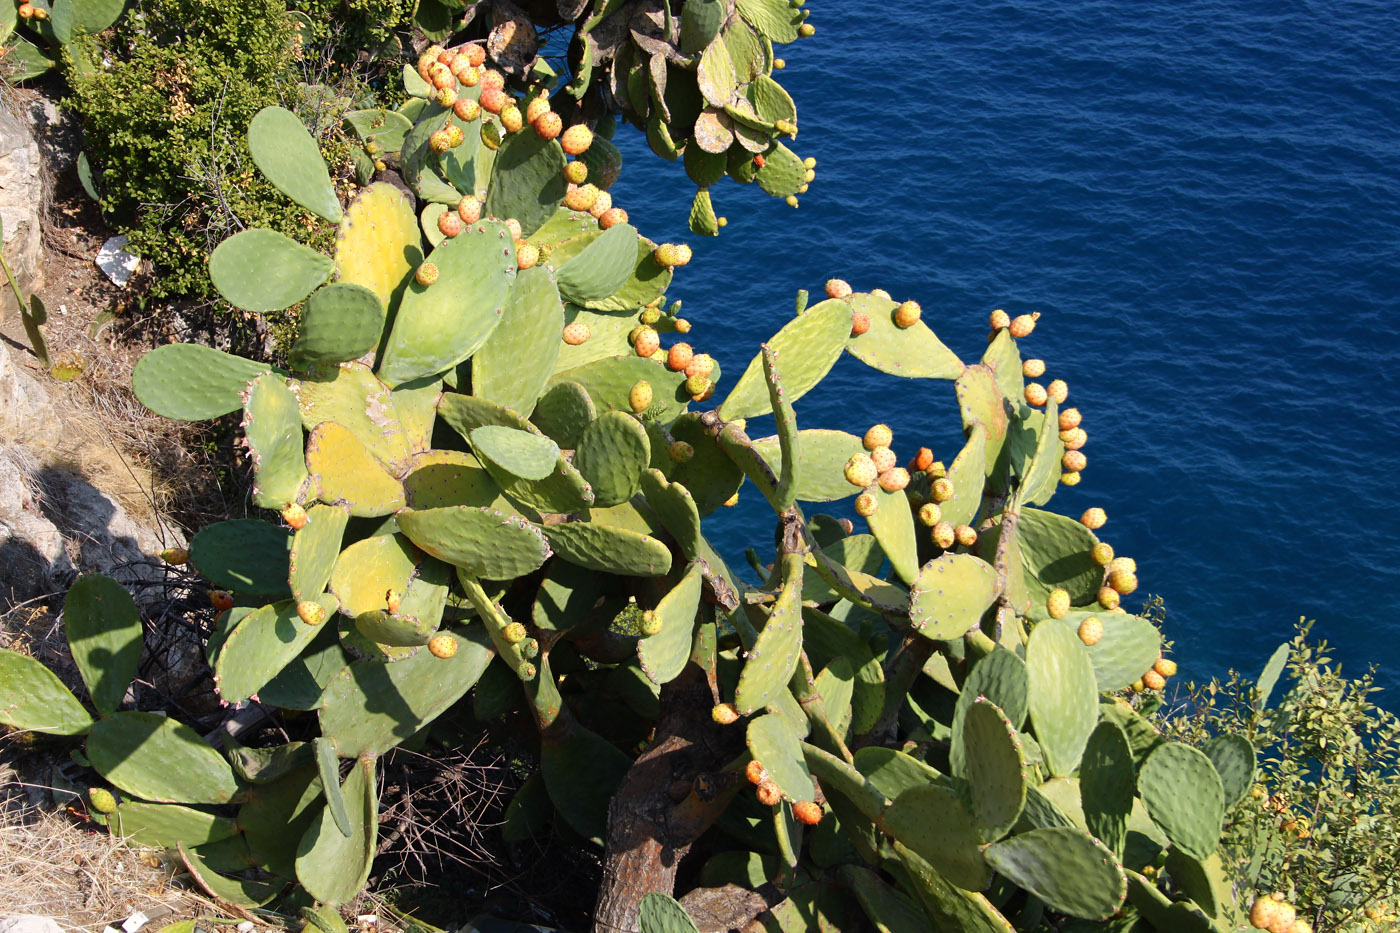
(30, 923)
(21, 197)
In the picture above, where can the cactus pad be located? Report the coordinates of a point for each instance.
(344, 471)
(103, 628)
(968, 473)
(482, 541)
(582, 771)
(1107, 785)
(659, 913)
(933, 822)
(664, 655)
(189, 382)
(333, 867)
(893, 526)
(1184, 795)
(995, 769)
(913, 352)
(262, 270)
(950, 595)
(526, 454)
(1235, 761)
(1129, 646)
(774, 744)
(822, 455)
(602, 267)
(243, 555)
(608, 549)
(1056, 552)
(563, 411)
(342, 321)
(1066, 868)
(272, 427)
(676, 509)
(378, 244)
(288, 157)
(315, 548)
(160, 826)
(808, 345)
(352, 397)
(33, 698)
(774, 656)
(516, 361)
(611, 455)
(1063, 697)
(158, 759)
(609, 381)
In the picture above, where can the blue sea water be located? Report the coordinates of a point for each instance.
(1201, 197)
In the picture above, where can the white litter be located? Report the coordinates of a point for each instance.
(114, 260)
(245, 927)
(135, 922)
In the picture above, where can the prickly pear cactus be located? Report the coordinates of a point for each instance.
(487, 467)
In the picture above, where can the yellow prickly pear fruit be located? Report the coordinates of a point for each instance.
(175, 556)
(1058, 390)
(768, 794)
(807, 812)
(527, 255)
(440, 141)
(514, 633)
(680, 451)
(580, 197)
(1165, 666)
(651, 623)
(1102, 553)
(1023, 324)
(790, 200)
(838, 288)
(671, 255)
(682, 326)
(311, 612)
(701, 364)
(1070, 479)
(699, 387)
(878, 436)
(1109, 598)
(1070, 418)
(513, 226)
(806, 30)
(999, 320)
(894, 479)
(1036, 394)
(1093, 519)
(942, 489)
(536, 108)
(455, 135)
(445, 97)
(576, 333)
(1123, 582)
(512, 119)
(442, 645)
(944, 535)
(1074, 438)
(1074, 461)
(576, 173)
(646, 341)
(426, 275)
(731, 501)
(639, 398)
(1057, 603)
(1153, 681)
(1033, 369)
(392, 601)
(101, 800)
(867, 505)
(884, 458)
(936, 470)
(726, 714)
(1090, 631)
(860, 470)
(612, 217)
(779, 64)
(965, 535)
(576, 139)
(930, 514)
(1125, 564)
(907, 314)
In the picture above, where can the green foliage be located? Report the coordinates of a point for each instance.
(1319, 820)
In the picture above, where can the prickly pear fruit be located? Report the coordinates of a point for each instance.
(101, 800)
(580, 197)
(681, 325)
(1126, 564)
(513, 226)
(930, 514)
(753, 771)
(679, 357)
(493, 99)
(806, 30)
(838, 288)
(1023, 324)
(861, 470)
(1102, 553)
(1153, 680)
(650, 624)
(680, 451)
(576, 139)
(1058, 390)
(1070, 479)
(601, 205)
(907, 313)
(1165, 666)
(944, 535)
(311, 612)
(866, 505)
(442, 645)
(1264, 914)
(1090, 631)
(575, 173)
(295, 516)
(894, 479)
(860, 323)
(701, 364)
(1109, 598)
(999, 320)
(936, 470)
(671, 255)
(726, 714)
(392, 601)
(469, 209)
(921, 460)
(612, 217)
(449, 224)
(646, 342)
(1057, 603)
(1123, 582)
(1074, 438)
(639, 398)
(576, 333)
(807, 812)
(427, 274)
(446, 97)
(1036, 394)
(529, 648)
(942, 489)
(768, 794)
(221, 599)
(475, 54)
(175, 556)
(965, 535)
(1033, 369)
(1074, 461)
(1070, 418)
(698, 387)
(878, 436)
(884, 458)
(1094, 518)
(514, 633)
(527, 255)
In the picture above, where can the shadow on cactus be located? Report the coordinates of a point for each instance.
(483, 456)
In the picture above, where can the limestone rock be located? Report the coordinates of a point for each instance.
(21, 197)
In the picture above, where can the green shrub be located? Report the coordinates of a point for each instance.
(1323, 821)
(164, 110)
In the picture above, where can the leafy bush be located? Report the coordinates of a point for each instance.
(1323, 822)
(165, 99)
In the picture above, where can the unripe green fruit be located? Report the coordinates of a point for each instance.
(651, 623)
(639, 398)
(512, 119)
(936, 470)
(514, 633)
(680, 451)
(371, 148)
(529, 648)
(930, 514)
(527, 671)
(101, 800)
(1057, 603)
(445, 97)
(426, 275)
(698, 385)
(650, 316)
(440, 141)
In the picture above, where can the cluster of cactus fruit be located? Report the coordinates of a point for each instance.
(477, 471)
(55, 24)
